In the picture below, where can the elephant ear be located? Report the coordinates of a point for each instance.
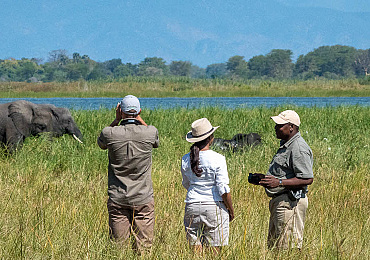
(56, 112)
(21, 112)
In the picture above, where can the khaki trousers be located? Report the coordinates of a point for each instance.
(287, 219)
(135, 220)
(207, 223)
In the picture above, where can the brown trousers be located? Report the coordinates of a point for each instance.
(135, 220)
(287, 220)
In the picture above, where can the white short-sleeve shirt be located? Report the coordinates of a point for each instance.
(214, 181)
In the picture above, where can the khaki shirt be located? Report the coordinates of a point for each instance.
(130, 160)
(292, 159)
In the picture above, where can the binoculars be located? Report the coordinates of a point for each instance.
(255, 178)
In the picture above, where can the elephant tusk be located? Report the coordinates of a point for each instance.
(75, 137)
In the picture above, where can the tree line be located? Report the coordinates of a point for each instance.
(331, 62)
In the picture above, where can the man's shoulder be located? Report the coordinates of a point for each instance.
(303, 144)
(300, 143)
(150, 127)
(300, 147)
(148, 130)
(107, 130)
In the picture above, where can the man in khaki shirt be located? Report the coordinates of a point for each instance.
(130, 190)
(286, 183)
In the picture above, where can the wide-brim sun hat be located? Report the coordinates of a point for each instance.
(287, 116)
(200, 130)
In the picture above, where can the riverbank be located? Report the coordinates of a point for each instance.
(53, 194)
(186, 88)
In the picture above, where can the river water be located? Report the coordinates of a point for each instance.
(227, 102)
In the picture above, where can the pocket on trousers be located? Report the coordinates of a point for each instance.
(215, 215)
(285, 202)
(189, 215)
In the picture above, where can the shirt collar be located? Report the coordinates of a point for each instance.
(284, 143)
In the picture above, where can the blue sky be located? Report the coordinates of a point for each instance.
(203, 32)
(341, 5)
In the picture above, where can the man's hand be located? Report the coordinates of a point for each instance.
(138, 117)
(118, 113)
(118, 116)
(269, 182)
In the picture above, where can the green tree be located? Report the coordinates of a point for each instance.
(125, 70)
(362, 62)
(329, 61)
(237, 66)
(257, 67)
(49, 71)
(98, 72)
(76, 57)
(59, 57)
(305, 67)
(216, 70)
(26, 69)
(38, 61)
(152, 66)
(85, 58)
(197, 72)
(279, 64)
(8, 69)
(151, 71)
(112, 64)
(180, 68)
(76, 71)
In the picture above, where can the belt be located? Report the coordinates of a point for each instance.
(303, 195)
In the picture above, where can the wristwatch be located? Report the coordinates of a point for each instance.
(281, 183)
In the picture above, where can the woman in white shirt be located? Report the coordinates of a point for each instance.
(208, 207)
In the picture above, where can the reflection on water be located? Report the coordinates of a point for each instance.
(228, 102)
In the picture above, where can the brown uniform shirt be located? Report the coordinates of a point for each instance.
(130, 160)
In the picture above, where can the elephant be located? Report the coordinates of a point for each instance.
(20, 119)
(238, 142)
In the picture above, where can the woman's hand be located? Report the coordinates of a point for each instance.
(231, 215)
(226, 197)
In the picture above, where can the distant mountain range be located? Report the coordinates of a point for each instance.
(213, 35)
(200, 31)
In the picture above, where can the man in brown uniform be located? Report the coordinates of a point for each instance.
(286, 183)
(130, 190)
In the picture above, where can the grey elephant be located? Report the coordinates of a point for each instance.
(20, 119)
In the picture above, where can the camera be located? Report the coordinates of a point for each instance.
(255, 178)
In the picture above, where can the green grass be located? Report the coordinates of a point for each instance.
(53, 194)
(185, 87)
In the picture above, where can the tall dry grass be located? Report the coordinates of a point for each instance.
(53, 194)
(185, 87)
